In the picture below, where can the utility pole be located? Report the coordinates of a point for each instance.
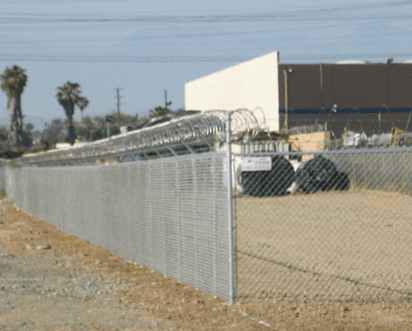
(167, 103)
(118, 103)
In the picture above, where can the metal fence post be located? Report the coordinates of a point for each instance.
(230, 218)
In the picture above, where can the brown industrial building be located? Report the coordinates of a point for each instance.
(362, 97)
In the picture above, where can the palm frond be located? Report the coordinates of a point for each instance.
(68, 97)
(83, 103)
(13, 80)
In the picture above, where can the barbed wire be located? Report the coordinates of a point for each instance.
(178, 134)
(204, 128)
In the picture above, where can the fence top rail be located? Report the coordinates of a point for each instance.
(324, 152)
(206, 126)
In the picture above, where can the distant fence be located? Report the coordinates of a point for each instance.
(377, 169)
(337, 228)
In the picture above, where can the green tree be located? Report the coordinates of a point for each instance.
(99, 122)
(27, 135)
(69, 97)
(3, 134)
(3, 137)
(87, 122)
(53, 133)
(28, 127)
(13, 81)
(83, 103)
(99, 131)
(130, 120)
(85, 127)
(156, 112)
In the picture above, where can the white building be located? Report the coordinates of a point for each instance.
(249, 85)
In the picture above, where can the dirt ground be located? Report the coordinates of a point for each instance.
(331, 249)
(333, 245)
(50, 280)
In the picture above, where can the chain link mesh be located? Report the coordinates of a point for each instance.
(2, 176)
(158, 196)
(330, 224)
(337, 226)
(167, 214)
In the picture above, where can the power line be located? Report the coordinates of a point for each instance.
(206, 19)
(155, 59)
(355, 12)
(335, 17)
(185, 59)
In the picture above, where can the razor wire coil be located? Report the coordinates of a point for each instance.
(196, 129)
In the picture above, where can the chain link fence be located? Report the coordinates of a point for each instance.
(253, 222)
(2, 176)
(336, 227)
(159, 197)
(168, 214)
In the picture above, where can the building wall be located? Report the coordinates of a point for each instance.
(370, 98)
(251, 85)
(369, 123)
(365, 88)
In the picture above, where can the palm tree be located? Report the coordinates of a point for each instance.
(69, 97)
(83, 103)
(13, 80)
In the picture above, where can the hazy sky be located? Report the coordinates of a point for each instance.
(145, 47)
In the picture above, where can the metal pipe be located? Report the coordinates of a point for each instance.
(341, 151)
(230, 216)
(285, 74)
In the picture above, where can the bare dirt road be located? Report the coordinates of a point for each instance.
(50, 280)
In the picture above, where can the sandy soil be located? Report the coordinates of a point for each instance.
(332, 244)
(76, 286)
(352, 246)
